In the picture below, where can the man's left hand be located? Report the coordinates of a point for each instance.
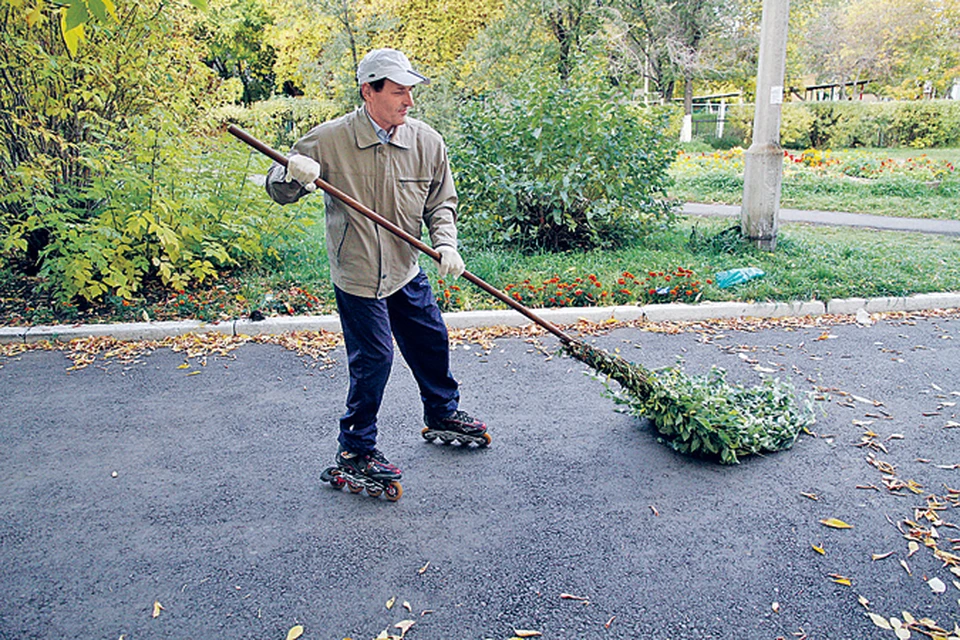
(451, 264)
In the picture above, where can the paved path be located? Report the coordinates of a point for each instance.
(834, 218)
(216, 511)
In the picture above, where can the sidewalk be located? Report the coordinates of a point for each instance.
(836, 218)
(507, 317)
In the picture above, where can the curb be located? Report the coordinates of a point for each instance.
(675, 312)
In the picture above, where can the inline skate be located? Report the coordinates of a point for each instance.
(370, 471)
(457, 427)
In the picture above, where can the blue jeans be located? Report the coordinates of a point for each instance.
(410, 316)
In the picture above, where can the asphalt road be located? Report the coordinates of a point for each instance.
(216, 511)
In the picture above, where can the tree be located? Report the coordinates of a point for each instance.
(899, 45)
(64, 117)
(74, 16)
(233, 33)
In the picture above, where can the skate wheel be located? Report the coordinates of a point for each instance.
(354, 488)
(446, 438)
(427, 435)
(393, 491)
(374, 493)
(486, 440)
(337, 482)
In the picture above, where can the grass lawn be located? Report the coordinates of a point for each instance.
(891, 182)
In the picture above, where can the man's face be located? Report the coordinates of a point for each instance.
(388, 107)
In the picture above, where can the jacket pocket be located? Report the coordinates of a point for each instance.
(412, 195)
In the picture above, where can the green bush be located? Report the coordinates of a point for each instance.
(561, 166)
(917, 124)
(280, 121)
(178, 210)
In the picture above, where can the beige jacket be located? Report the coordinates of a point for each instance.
(407, 181)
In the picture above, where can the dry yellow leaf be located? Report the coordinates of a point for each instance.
(906, 567)
(194, 373)
(406, 605)
(863, 601)
(909, 619)
(185, 365)
(841, 579)
(835, 523)
(880, 621)
(157, 608)
(295, 632)
(423, 568)
(881, 556)
(404, 626)
(391, 602)
(812, 496)
(526, 633)
(913, 547)
(819, 550)
(937, 585)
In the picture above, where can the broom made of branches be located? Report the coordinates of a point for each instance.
(703, 416)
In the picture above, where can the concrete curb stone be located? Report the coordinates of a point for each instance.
(677, 312)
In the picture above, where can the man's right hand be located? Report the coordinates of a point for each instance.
(304, 170)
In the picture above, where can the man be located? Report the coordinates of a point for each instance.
(398, 167)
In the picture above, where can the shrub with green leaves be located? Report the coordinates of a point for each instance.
(176, 209)
(561, 166)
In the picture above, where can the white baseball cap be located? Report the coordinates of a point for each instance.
(388, 63)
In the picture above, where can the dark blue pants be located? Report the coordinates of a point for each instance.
(412, 317)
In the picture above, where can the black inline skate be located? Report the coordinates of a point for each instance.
(370, 471)
(457, 427)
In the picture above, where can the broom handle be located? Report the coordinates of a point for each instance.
(281, 159)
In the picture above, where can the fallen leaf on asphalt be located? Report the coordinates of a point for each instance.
(881, 556)
(819, 550)
(567, 596)
(391, 602)
(157, 608)
(864, 602)
(526, 633)
(835, 577)
(880, 621)
(913, 547)
(185, 365)
(835, 523)
(936, 584)
(812, 496)
(609, 622)
(422, 569)
(295, 632)
(404, 626)
(776, 607)
(406, 605)
(906, 567)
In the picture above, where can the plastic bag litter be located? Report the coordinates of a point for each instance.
(731, 277)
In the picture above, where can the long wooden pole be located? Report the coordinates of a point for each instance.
(362, 209)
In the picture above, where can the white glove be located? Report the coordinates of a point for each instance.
(304, 170)
(451, 264)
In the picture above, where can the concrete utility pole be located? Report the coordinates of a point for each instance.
(763, 161)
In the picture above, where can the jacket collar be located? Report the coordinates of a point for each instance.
(367, 137)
